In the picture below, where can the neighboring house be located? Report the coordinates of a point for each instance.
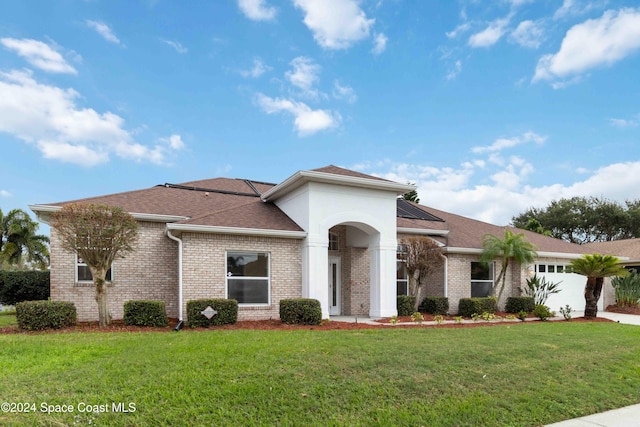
(330, 234)
(627, 249)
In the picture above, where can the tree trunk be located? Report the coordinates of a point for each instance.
(99, 274)
(591, 296)
(502, 278)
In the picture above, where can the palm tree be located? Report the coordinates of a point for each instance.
(513, 247)
(596, 267)
(19, 243)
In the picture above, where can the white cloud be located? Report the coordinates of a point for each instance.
(258, 69)
(335, 24)
(174, 142)
(5, 193)
(104, 30)
(577, 7)
(176, 45)
(453, 73)
(528, 34)
(504, 193)
(257, 10)
(623, 123)
(503, 143)
(490, 35)
(304, 74)
(379, 44)
(306, 121)
(48, 118)
(460, 29)
(344, 92)
(593, 43)
(39, 54)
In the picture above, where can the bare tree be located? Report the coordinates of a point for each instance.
(98, 234)
(421, 256)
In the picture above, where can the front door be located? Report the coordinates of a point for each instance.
(334, 286)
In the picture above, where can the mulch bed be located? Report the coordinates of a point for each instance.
(624, 310)
(119, 326)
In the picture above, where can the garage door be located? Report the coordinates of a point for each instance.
(571, 287)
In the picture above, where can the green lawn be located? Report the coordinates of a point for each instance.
(7, 319)
(515, 375)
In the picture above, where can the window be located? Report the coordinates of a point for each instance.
(248, 277)
(481, 279)
(402, 282)
(83, 273)
(402, 278)
(334, 242)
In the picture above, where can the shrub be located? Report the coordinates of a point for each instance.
(417, 317)
(435, 305)
(538, 288)
(566, 312)
(406, 305)
(522, 315)
(18, 286)
(469, 306)
(627, 289)
(145, 313)
(227, 312)
(38, 315)
(543, 312)
(517, 304)
(301, 311)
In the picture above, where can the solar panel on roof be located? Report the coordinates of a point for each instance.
(407, 210)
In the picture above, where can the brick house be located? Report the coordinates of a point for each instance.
(330, 234)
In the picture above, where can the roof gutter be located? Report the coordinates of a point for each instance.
(180, 315)
(194, 228)
(423, 231)
(43, 211)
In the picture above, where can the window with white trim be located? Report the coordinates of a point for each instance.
(83, 273)
(248, 277)
(334, 241)
(402, 278)
(481, 279)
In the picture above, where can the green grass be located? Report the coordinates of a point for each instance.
(515, 375)
(7, 319)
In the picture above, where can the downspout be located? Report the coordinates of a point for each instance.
(446, 275)
(180, 318)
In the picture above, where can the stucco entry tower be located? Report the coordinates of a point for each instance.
(320, 199)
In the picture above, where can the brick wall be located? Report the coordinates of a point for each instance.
(150, 272)
(204, 269)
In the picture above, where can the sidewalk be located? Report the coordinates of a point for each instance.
(623, 417)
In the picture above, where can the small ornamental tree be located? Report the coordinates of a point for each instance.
(421, 256)
(596, 267)
(99, 234)
(511, 248)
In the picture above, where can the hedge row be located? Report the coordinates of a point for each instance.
(145, 313)
(38, 315)
(470, 306)
(434, 305)
(18, 286)
(301, 311)
(405, 305)
(227, 312)
(518, 304)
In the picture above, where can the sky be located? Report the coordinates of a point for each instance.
(489, 107)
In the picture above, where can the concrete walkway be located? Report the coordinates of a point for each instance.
(623, 417)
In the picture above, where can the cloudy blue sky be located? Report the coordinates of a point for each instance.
(489, 107)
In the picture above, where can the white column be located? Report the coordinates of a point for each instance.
(383, 278)
(315, 273)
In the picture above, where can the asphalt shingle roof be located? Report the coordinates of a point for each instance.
(236, 203)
